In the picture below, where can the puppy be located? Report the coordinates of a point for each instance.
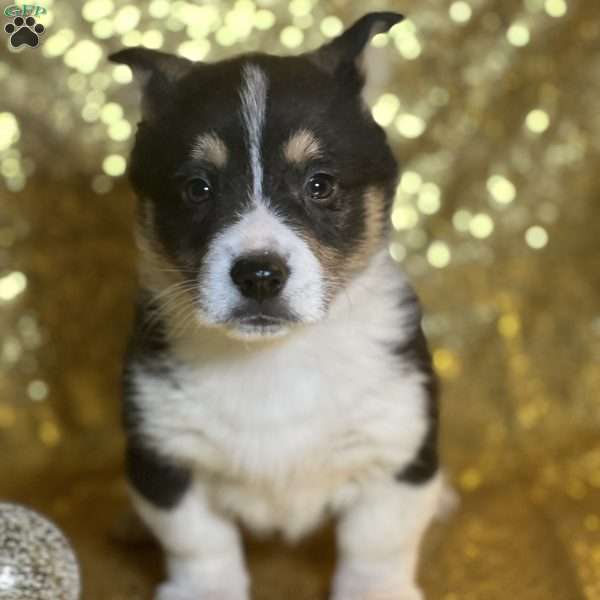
(277, 375)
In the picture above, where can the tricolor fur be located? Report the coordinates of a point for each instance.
(277, 374)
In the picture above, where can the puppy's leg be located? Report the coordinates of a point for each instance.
(379, 538)
(202, 547)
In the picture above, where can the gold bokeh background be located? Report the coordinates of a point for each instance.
(493, 108)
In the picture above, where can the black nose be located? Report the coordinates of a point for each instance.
(260, 277)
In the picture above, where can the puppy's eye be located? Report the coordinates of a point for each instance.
(320, 187)
(198, 190)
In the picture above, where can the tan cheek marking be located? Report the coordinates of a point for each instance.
(159, 275)
(156, 271)
(330, 261)
(375, 219)
(301, 146)
(211, 148)
(338, 270)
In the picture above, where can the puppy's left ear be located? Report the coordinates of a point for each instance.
(346, 56)
(156, 73)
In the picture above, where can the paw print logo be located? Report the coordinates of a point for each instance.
(24, 32)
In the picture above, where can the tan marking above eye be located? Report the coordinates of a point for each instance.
(301, 146)
(211, 148)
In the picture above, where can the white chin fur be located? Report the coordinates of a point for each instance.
(244, 331)
(253, 333)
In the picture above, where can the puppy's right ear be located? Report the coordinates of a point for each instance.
(156, 73)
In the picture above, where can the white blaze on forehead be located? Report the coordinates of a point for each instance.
(253, 95)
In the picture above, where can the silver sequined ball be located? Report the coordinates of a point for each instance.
(36, 560)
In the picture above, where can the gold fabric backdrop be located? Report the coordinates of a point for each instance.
(493, 107)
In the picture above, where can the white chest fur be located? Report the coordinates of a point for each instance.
(281, 432)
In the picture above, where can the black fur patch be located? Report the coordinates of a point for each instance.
(415, 351)
(158, 480)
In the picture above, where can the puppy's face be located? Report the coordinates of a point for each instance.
(264, 183)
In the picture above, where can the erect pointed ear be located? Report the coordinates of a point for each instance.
(345, 56)
(156, 73)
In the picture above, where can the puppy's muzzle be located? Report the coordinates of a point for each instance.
(260, 277)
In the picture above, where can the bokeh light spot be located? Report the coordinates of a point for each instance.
(291, 37)
(119, 130)
(331, 26)
(404, 217)
(537, 120)
(127, 18)
(159, 9)
(57, 44)
(90, 112)
(300, 8)
(93, 10)
(264, 19)
(410, 182)
(114, 165)
(556, 8)
(438, 254)
(194, 50)
(132, 38)
(9, 130)
(460, 12)
(83, 56)
(509, 325)
(122, 74)
(410, 126)
(536, 237)
(152, 38)
(470, 479)
(12, 285)
(429, 200)
(446, 363)
(37, 390)
(385, 109)
(380, 40)
(501, 189)
(481, 226)
(397, 251)
(518, 34)
(407, 26)
(111, 112)
(11, 167)
(408, 46)
(103, 29)
(226, 36)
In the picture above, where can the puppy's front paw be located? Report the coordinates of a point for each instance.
(172, 590)
(412, 593)
(358, 587)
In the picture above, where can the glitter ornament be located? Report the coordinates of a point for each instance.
(36, 561)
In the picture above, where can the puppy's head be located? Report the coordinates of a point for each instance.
(264, 183)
